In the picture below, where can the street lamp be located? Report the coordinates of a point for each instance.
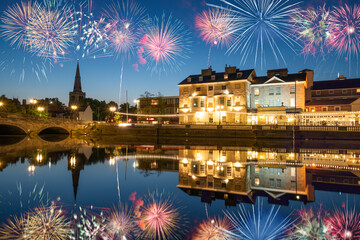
(40, 109)
(112, 109)
(33, 101)
(73, 107)
(1, 104)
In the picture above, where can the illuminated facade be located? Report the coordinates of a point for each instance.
(212, 97)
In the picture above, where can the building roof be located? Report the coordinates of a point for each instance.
(77, 83)
(331, 102)
(219, 77)
(288, 78)
(337, 84)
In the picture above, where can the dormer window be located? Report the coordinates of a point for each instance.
(200, 78)
(226, 76)
(189, 79)
(239, 74)
(213, 77)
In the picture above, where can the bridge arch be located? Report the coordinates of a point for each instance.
(10, 129)
(53, 130)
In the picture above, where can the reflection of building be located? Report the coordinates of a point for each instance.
(212, 97)
(242, 174)
(158, 105)
(76, 100)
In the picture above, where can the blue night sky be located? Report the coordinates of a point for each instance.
(100, 77)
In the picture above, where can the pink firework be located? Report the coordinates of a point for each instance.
(344, 224)
(216, 26)
(166, 42)
(344, 29)
(216, 228)
(159, 219)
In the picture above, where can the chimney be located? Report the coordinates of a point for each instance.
(206, 72)
(341, 78)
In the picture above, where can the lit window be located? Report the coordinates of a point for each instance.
(292, 102)
(222, 101)
(211, 88)
(278, 90)
(257, 181)
(225, 76)
(154, 102)
(229, 102)
(256, 103)
(292, 90)
(257, 170)
(256, 92)
(271, 91)
(292, 171)
(195, 102)
(200, 79)
(213, 77)
(198, 89)
(189, 79)
(202, 103)
(358, 90)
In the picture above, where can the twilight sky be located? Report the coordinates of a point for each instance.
(101, 76)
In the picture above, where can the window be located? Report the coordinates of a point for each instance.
(344, 91)
(292, 172)
(271, 91)
(271, 102)
(278, 183)
(337, 108)
(200, 79)
(228, 171)
(271, 171)
(202, 103)
(272, 183)
(189, 79)
(257, 170)
(278, 90)
(358, 90)
(223, 87)
(318, 93)
(154, 102)
(211, 88)
(293, 185)
(278, 171)
(222, 101)
(278, 102)
(256, 92)
(324, 109)
(213, 77)
(257, 181)
(198, 89)
(195, 102)
(229, 102)
(331, 91)
(292, 102)
(256, 103)
(292, 89)
(225, 76)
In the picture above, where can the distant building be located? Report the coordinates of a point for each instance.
(76, 100)
(158, 105)
(335, 95)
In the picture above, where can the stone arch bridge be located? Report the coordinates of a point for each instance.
(17, 124)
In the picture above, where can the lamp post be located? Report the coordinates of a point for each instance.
(1, 104)
(40, 109)
(74, 108)
(112, 110)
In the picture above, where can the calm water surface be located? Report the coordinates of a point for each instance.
(200, 181)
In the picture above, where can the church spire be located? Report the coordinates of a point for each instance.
(77, 84)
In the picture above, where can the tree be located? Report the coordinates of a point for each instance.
(10, 105)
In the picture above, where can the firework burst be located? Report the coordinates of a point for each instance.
(311, 27)
(89, 225)
(216, 26)
(260, 25)
(166, 42)
(13, 229)
(258, 224)
(344, 28)
(159, 218)
(121, 223)
(344, 224)
(312, 225)
(216, 228)
(46, 223)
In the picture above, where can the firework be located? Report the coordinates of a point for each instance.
(258, 223)
(311, 225)
(49, 31)
(166, 42)
(216, 228)
(46, 223)
(260, 25)
(311, 27)
(215, 26)
(14, 229)
(344, 224)
(344, 29)
(126, 20)
(89, 225)
(121, 223)
(15, 24)
(159, 218)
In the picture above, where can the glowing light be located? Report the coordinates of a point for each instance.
(74, 107)
(40, 109)
(185, 161)
(112, 109)
(215, 228)
(31, 168)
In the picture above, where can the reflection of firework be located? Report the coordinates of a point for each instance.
(311, 225)
(14, 229)
(46, 223)
(159, 218)
(121, 224)
(344, 28)
(258, 223)
(344, 224)
(126, 19)
(49, 32)
(89, 224)
(15, 23)
(216, 228)
(215, 26)
(311, 27)
(260, 25)
(165, 43)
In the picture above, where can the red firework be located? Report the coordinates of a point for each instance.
(344, 29)
(216, 228)
(344, 224)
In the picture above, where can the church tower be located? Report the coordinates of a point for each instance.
(77, 96)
